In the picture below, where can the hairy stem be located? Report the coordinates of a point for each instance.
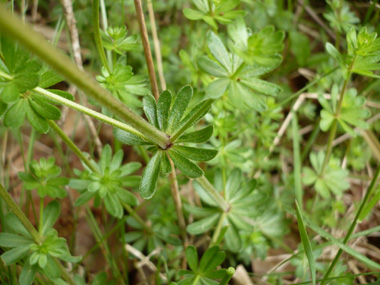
(223, 204)
(61, 63)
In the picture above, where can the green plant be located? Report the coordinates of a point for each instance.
(203, 271)
(271, 150)
(36, 256)
(107, 181)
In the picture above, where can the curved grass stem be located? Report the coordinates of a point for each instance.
(354, 222)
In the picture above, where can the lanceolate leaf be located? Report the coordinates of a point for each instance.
(211, 259)
(13, 240)
(211, 67)
(128, 138)
(45, 109)
(150, 177)
(197, 154)
(262, 86)
(37, 121)
(193, 116)
(15, 254)
(192, 257)
(163, 107)
(202, 225)
(50, 216)
(199, 136)
(188, 168)
(15, 116)
(218, 50)
(306, 243)
(150, 110)
(180, 104)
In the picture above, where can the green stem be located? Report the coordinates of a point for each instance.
(41, 215)
(98, 38)
(11, 25)
(32, 139)
(218, 228)
(136, 216)
(20, 215)
(297, 161)
(195, 282)
(354, 223)
(329, 145)
(335, 123)
(72, 145)
(313, 136)
(104, 246)
(299, 92)
(105, 26)
(89, 112)
(223, 204)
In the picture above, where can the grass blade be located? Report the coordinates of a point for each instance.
(297, 160)
(306, 243)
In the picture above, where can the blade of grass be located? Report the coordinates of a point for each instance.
(354, 222)
(306, 243)
(297, 161)
(343, 247)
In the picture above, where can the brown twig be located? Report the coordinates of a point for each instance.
(156, 43)
(147, 51)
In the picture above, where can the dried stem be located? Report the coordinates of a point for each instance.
(156, 43)
(75, 45)
(147, 51)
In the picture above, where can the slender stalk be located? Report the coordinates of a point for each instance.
(41, 221)
(329, 145)
(105, 26)
(136, 216)
(297, 161)
(335, 123)
(61, 63)
(177, 202)
(223, 204)
(98, 38)
(313, 136)
(218, 228)
(20, 215)
(354, 222)
(156, 43)
(147, 51)
(103, 245)
(299, 92)
(72, 145)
